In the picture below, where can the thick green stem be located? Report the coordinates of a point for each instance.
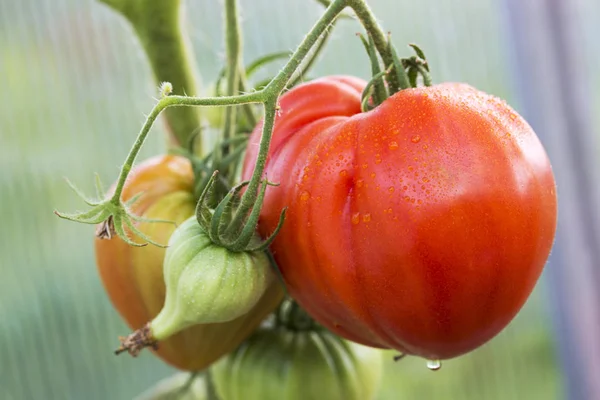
(234, 49)
(157, 24)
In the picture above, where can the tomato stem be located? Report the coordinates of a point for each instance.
(234, 62)
(397, 79)
(269, 95)
(379, 91)
(138, 340)
(158, 27)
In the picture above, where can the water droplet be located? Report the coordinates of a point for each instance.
(393, 146)
(373, 175)
(304, 196)
(343, 172)
(366, 217)
(434, 365)
(365, 166)
(355, 218)
(391, 189)
(416, 139)
(359, 183)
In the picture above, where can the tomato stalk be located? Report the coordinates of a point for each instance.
(234, 62)
(158, 27)
(115, 215)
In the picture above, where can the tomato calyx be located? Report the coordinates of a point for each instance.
(231, 225)
(112, 214)
(405, 71)
(293, 317)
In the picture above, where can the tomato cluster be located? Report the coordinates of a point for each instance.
(133, 276)
(422, 225)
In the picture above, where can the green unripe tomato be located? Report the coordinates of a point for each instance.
(206, 283)
(284, 364)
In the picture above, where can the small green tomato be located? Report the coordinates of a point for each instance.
(286, 364)
(206, 283)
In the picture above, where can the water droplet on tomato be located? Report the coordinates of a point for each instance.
(343, 172)
(366, 217)
(393, 146)
(391, 189)
(304, 196)
(434, 365)
(359, 183)
(416, 139)
(365, 166)
(355, 218)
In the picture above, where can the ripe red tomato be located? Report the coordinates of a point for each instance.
(422, 225)
(133, 276)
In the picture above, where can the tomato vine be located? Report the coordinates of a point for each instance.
(114, 214)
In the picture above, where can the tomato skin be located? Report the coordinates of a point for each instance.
(422, 225)
(133, 277)
(281, 363)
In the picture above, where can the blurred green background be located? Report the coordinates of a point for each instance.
(75, 88)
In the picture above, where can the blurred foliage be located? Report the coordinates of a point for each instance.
(74, 93)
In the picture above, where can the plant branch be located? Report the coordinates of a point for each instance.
(233, 49)
(158, 27)
(237, 236)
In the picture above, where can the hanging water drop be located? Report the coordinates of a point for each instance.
(434, 365)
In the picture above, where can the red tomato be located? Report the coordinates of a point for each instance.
(133, 276)
(422, 225)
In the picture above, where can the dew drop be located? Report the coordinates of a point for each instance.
(393, 146)
(304, 196)
(365, 166)
(434, 365)
(343, 172)
(355, 218)
(360, 183)
(391, 189)
(366, 217)
(416, 139)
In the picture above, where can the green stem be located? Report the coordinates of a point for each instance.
(246, 107)
(211, 390)
(174, 101)
(364, 13)
(234, 48)
(158, 27)
(274, 89)
(268, 96)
